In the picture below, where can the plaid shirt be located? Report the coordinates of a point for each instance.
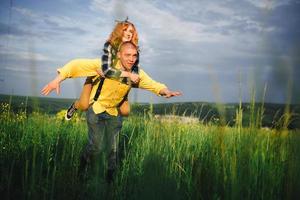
(109, 60)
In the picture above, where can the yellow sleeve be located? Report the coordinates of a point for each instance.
(149, 84)
(80, 68)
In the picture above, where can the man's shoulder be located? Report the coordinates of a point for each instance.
(143, 74)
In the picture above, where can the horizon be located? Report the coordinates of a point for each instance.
(167, 102)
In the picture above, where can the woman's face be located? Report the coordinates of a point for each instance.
(127, 34)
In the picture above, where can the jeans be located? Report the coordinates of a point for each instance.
(103, 130)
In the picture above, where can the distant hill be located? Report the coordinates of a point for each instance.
(40, 104)
(204, 111)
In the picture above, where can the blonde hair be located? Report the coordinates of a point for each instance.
(115, 38)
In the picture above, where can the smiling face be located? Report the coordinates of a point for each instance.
(127, 55)
(128, 33)
(123, 32)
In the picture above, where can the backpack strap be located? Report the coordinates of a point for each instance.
(124, 98)
(99, 89)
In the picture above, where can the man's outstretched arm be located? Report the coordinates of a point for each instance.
(74, 68)
(153, 86)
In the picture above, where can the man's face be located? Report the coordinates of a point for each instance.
(127, 56)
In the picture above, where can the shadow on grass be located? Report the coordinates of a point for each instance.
(155, 182)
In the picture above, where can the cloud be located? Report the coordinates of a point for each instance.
(26, 12)
(42, 22)
(22, 55)
(6, 29)
(58, 36)
(269, 4)
(162, 22)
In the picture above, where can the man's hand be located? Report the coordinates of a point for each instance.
(168, 93)
(52, 85)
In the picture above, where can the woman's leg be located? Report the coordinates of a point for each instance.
(124, 108)
(83, 102)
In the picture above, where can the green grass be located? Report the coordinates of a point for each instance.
(157, 160)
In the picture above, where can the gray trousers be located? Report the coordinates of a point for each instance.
(103, 130)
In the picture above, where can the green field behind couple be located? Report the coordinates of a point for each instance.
(229, 152)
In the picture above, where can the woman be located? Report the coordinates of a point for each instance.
(123, 31)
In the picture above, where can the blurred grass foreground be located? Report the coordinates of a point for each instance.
(158, 159)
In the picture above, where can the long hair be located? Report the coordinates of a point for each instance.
(115, 38)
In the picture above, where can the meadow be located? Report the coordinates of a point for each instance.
(157, 159)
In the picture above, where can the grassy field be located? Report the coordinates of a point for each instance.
(157, 159)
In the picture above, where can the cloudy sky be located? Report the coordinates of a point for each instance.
(211, 50)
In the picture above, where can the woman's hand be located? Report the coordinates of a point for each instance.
(100, 73)
(134, 77)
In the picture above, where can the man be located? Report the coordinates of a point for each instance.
(102, 120)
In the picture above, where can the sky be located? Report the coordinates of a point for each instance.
(210, 50)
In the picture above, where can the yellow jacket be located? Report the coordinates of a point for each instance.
(113, 91)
